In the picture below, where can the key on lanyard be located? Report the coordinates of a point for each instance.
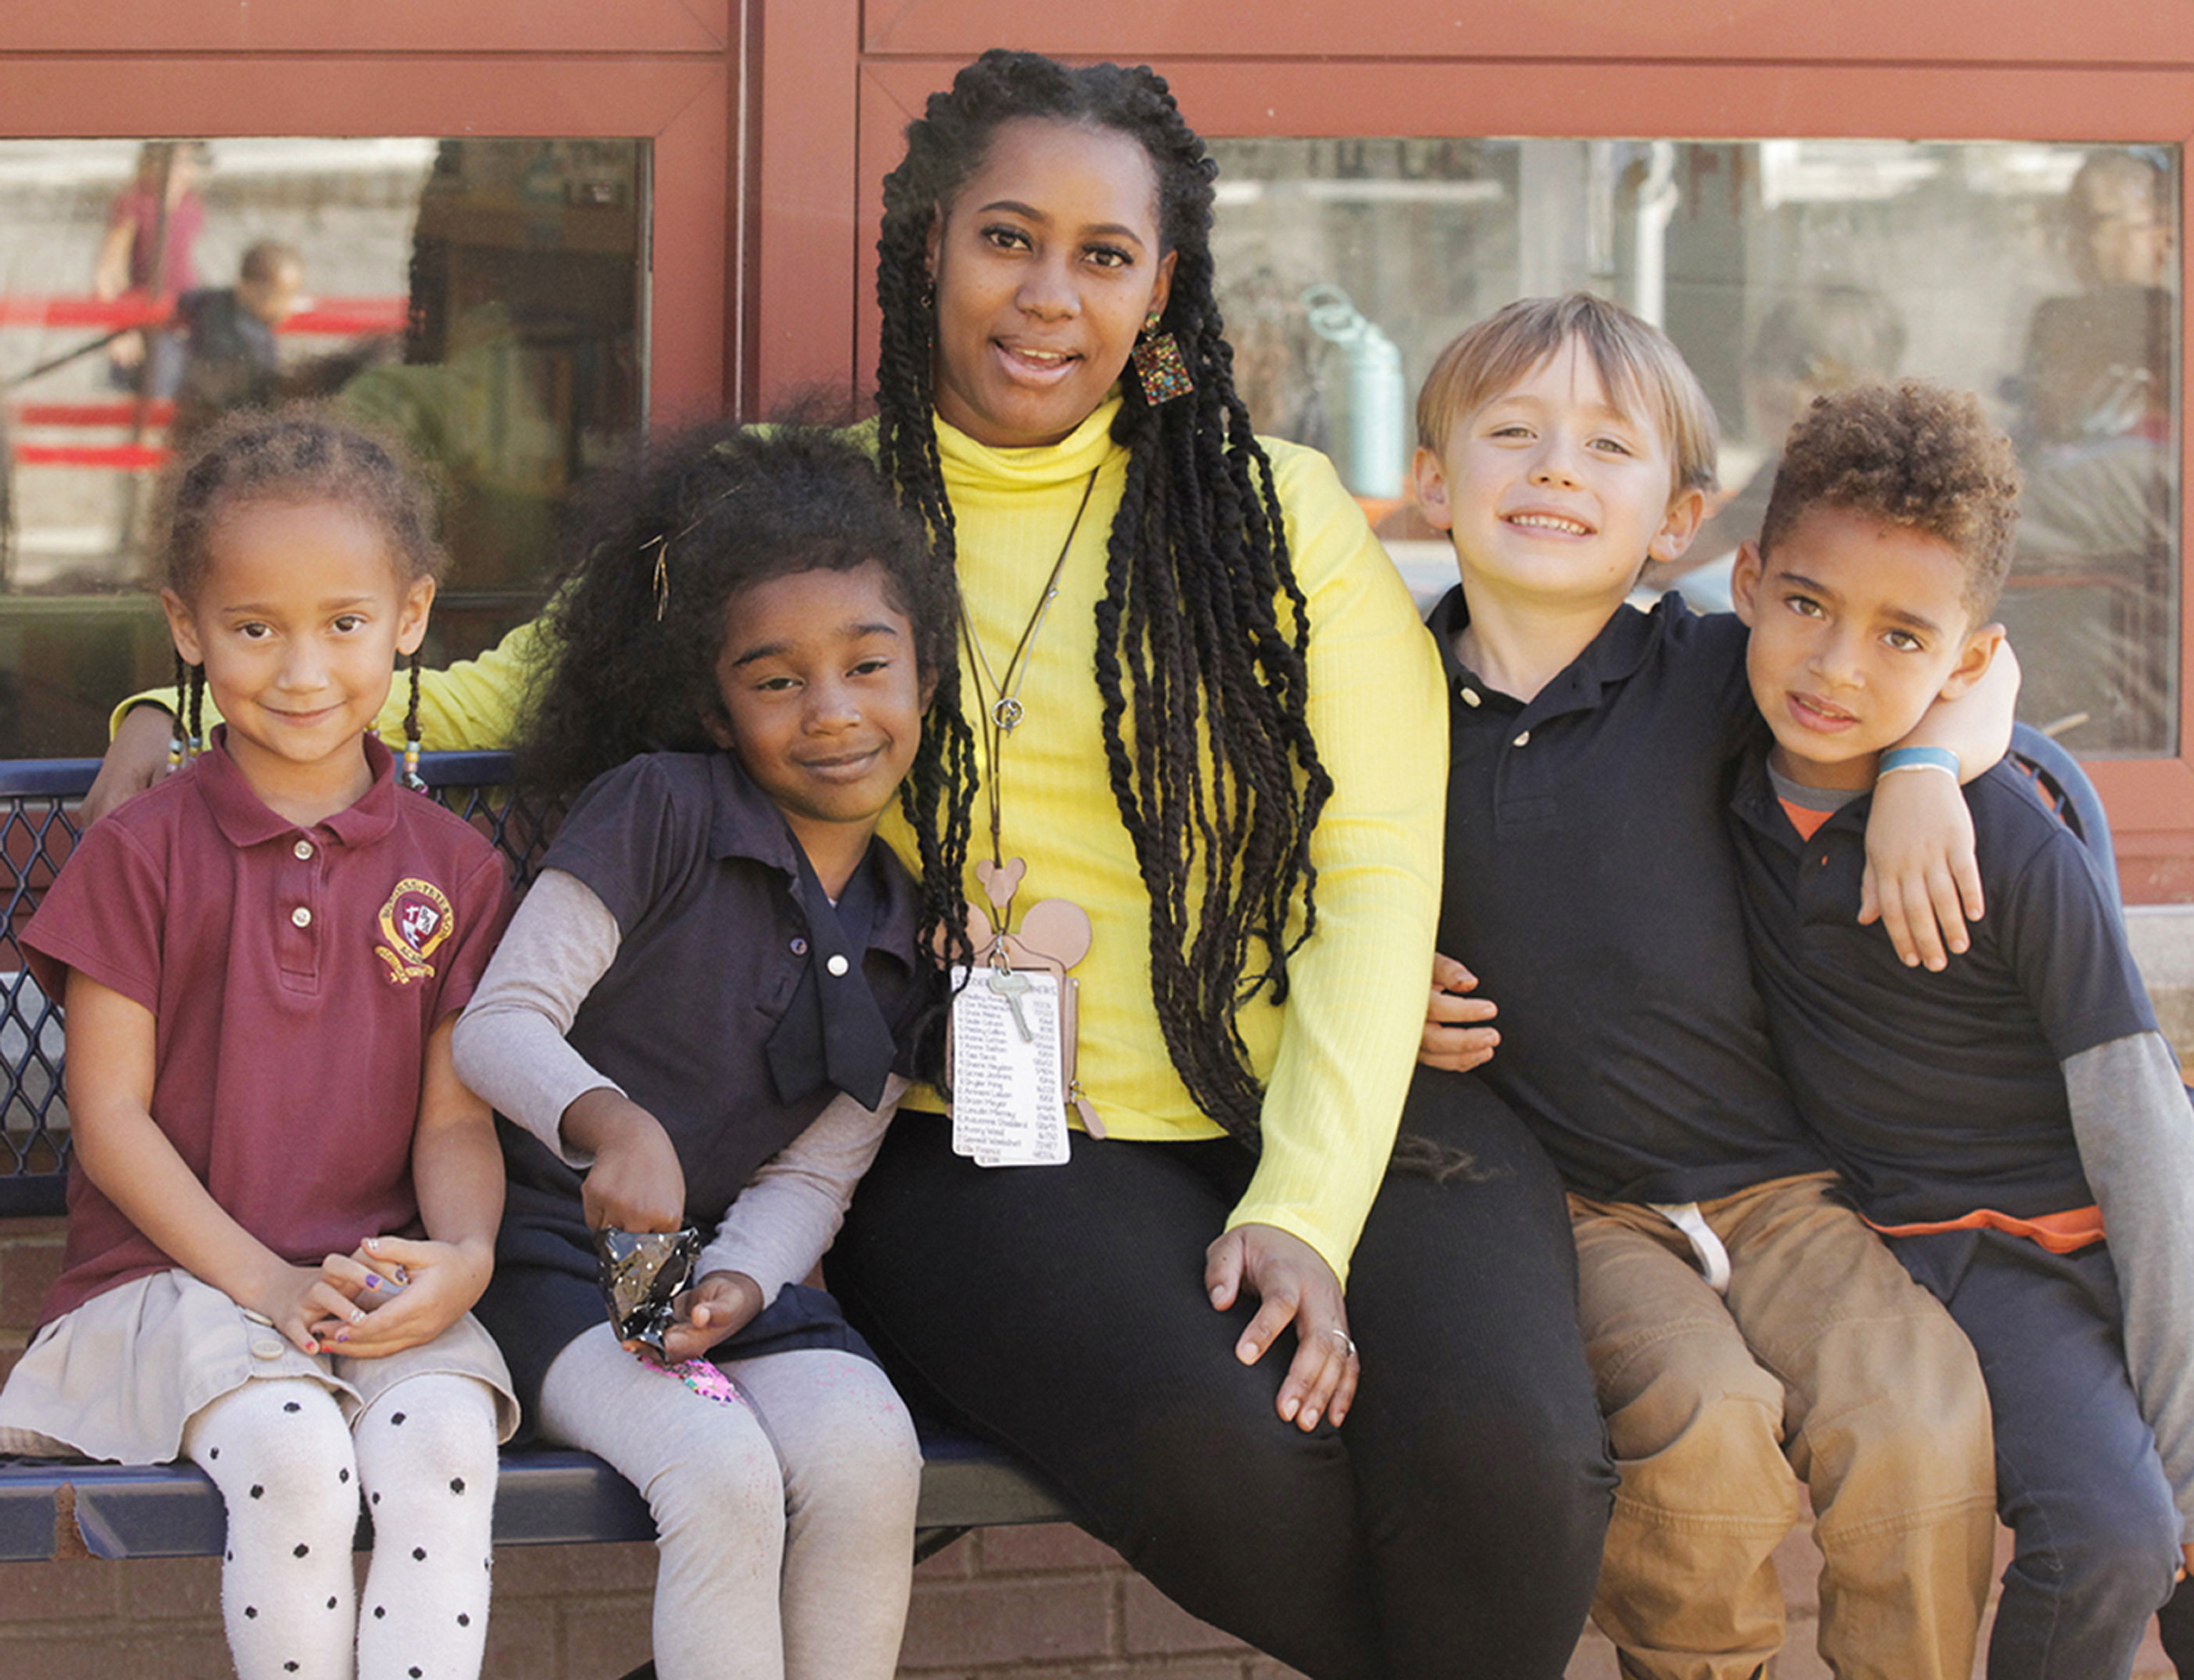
(1010, 985)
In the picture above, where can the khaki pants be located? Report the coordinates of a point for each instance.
(1825, 1359)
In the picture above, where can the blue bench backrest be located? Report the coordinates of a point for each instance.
(2067, 786)
(39, 829)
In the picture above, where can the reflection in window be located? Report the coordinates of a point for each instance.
(2043, 276)
(479, 298)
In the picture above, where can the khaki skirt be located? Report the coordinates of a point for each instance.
(119, 1378)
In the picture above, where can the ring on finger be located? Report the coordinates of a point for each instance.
(1345, 1340)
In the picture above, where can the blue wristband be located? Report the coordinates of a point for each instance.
(1918, 758)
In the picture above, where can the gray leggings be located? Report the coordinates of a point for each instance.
(785, 1522)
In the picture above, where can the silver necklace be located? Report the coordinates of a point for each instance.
(1006, 712)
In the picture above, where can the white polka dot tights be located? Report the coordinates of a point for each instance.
(291, 1474)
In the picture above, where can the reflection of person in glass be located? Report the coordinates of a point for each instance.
(1812, 343)
(2090, 591)
(477, 413)
(148, 251)
(230, 358)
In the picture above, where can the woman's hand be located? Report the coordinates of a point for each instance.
(133, 761)
(1922, 880)
(440, 1281)
(721, 1304)
(635, 1183)
(1292, 1283)
(1453, 1038)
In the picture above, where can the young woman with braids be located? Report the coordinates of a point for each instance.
(1224, 746)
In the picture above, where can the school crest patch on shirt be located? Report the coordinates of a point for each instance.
(415, 920)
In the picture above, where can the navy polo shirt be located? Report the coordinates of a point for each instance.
(1591, 886)
(1938, 1095)
(700, 872)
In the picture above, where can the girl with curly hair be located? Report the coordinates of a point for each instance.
(697, 1017)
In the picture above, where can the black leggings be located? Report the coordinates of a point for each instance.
(1451, 1528)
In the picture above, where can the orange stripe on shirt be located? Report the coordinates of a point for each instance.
(1805, 820)
(2059, 1233)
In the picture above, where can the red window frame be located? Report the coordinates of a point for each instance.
(774, 120)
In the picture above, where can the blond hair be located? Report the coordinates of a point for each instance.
(1642, 371)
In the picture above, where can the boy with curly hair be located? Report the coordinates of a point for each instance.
(2013, 1124)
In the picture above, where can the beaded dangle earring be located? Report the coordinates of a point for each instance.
(411, 778)
(1159, 364)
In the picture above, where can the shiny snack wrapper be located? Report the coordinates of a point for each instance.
(643, 1272)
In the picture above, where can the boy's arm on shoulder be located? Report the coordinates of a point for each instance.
(1922, 881)
(2135, 1127)
(1922, 878)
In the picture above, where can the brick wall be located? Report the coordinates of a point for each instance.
(1036, 1604)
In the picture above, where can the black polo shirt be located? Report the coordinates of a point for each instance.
(1591, 886)
(1938, 1095)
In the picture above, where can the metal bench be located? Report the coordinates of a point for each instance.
(545, 1496)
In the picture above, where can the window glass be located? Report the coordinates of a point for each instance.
(2043, 276)
(481, 300)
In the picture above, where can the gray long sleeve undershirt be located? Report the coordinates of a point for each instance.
(510, 1048)
(2135, 1132)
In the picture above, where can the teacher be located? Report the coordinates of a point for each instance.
(1226, 746)
(1340, 1412)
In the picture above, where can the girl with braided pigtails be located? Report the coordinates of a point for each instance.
(1205, 715)
(282, 1202)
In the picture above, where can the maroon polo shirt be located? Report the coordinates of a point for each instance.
(293, 976)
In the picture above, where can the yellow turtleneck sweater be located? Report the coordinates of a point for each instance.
(1336, 1059)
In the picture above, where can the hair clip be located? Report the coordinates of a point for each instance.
(662, 547)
